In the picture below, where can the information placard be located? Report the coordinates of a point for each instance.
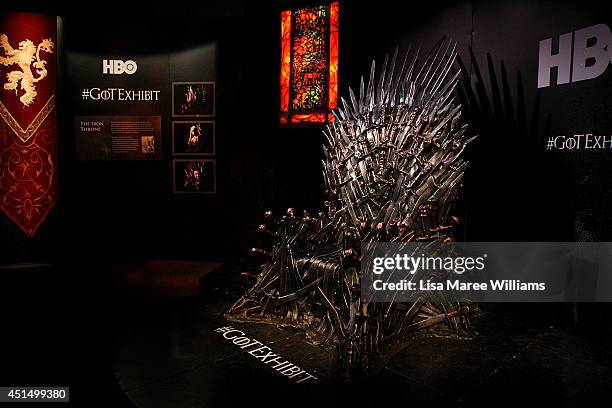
(100, 138)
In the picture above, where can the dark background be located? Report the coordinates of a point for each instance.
(514, 189)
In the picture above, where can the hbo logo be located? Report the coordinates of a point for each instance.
(117, 67)
(582, 54)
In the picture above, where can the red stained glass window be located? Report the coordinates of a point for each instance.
(309, 64)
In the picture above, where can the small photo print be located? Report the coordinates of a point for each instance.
(193, 99)
(147, 144)
(193, 137)
(194, 176)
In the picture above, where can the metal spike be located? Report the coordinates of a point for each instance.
(354, 102)
(388, 81)
(362, 101)
(380, 95)
(370, 95)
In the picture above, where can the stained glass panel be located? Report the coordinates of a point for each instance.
(309, 63)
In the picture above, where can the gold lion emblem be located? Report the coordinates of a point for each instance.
(26, 57)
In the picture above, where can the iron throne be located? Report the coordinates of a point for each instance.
(393, 164)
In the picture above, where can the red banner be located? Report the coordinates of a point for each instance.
(28, 122)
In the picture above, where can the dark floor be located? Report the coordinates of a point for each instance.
(155, 283)
(61, 321)
(173, 358)
(141, 334)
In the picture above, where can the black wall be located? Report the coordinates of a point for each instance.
(514, 190)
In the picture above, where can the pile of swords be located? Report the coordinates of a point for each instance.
(393, 166)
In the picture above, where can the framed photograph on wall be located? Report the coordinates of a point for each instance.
(194, 176)
(193, 99)
(193, 137)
